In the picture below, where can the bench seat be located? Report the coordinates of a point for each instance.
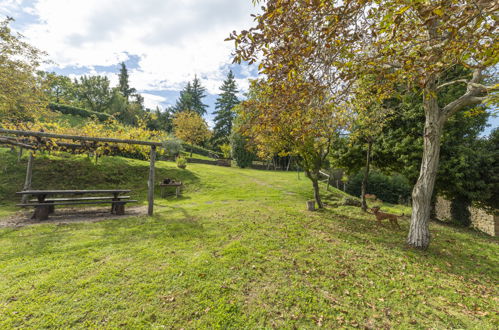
(71, 199)
(77, 203)
(42, 210)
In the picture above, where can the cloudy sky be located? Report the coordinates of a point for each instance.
(163, 42)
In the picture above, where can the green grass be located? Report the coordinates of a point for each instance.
(238, 250)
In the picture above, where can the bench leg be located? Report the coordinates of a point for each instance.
(42, 212)
(51, 209)
(119, 208)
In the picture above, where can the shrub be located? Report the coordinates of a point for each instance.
(70, 110)
(225, 150)
(202, 151)
(392, 189)
(240, 154)
(460, 212)
(181, 162)
(172, 146)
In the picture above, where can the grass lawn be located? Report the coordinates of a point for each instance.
(238, 250)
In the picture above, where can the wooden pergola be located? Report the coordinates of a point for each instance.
(9, 140)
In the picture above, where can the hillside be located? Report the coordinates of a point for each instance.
(237, 249)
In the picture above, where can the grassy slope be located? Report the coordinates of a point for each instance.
(237, 250)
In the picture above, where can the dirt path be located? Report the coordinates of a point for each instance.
(70, 215)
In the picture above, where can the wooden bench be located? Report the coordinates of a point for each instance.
(45, 206)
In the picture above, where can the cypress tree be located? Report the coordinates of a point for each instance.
(124, 86)
(226, 101)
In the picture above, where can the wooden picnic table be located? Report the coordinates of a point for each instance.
(175, 184)
(44, 205)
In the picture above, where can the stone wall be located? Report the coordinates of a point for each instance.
(481, 220)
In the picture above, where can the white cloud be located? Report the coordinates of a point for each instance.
(152, 101)
(175, 39)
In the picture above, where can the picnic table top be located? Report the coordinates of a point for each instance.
(71, 192)
(173, 184)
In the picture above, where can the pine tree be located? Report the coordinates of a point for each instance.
(198, 93)
(185, 100)
(124, 86)
(226, 101)
(191, 98)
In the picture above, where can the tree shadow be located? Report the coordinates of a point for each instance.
(445, 250)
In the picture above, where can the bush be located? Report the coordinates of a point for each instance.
(181, 162)
(460, 212)
(172, 146)
(70, 110)
(202, 151)
(225, 150)
(392, 189)
(240, 154)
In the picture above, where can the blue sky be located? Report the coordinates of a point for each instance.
(164, 43)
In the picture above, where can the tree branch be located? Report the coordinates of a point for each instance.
(452, 83)
(473, 95)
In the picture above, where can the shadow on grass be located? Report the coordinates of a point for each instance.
(51, 172)
(82, 238)
(444, 252)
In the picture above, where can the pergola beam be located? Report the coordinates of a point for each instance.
(78, 137)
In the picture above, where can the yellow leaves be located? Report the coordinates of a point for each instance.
(438, 11)
(402, 10)
(191, 127)
(109, 129)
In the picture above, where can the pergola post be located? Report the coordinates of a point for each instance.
(29, 175)
(150, 184)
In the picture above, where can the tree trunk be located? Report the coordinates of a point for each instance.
(317, 195)
(365, 180)
(419, 233)
(29, 176)
(314, 177)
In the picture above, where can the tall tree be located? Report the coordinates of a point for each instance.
(94, 92)
(282, 119)
(190, 98)
(60, 89)
(334, 42)
(224, 114)
(123, 85)
(20, 94)
(198, 93)
(185, 100)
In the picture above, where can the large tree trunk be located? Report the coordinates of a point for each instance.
(419, 233)
(363, 189)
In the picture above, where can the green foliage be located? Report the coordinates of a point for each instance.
(181, 162)
(67, 109)
(392, 189)
(460, 212)
(224, 114)
(21, 94)
(94, 92)
(225, 150)
(202, 151)
(239, 151)
(59, 89)
(123, 84)
(191, 98)
(172, 146)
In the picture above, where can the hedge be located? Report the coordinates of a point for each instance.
(392, 189)
(201, 151)
(70, 110)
